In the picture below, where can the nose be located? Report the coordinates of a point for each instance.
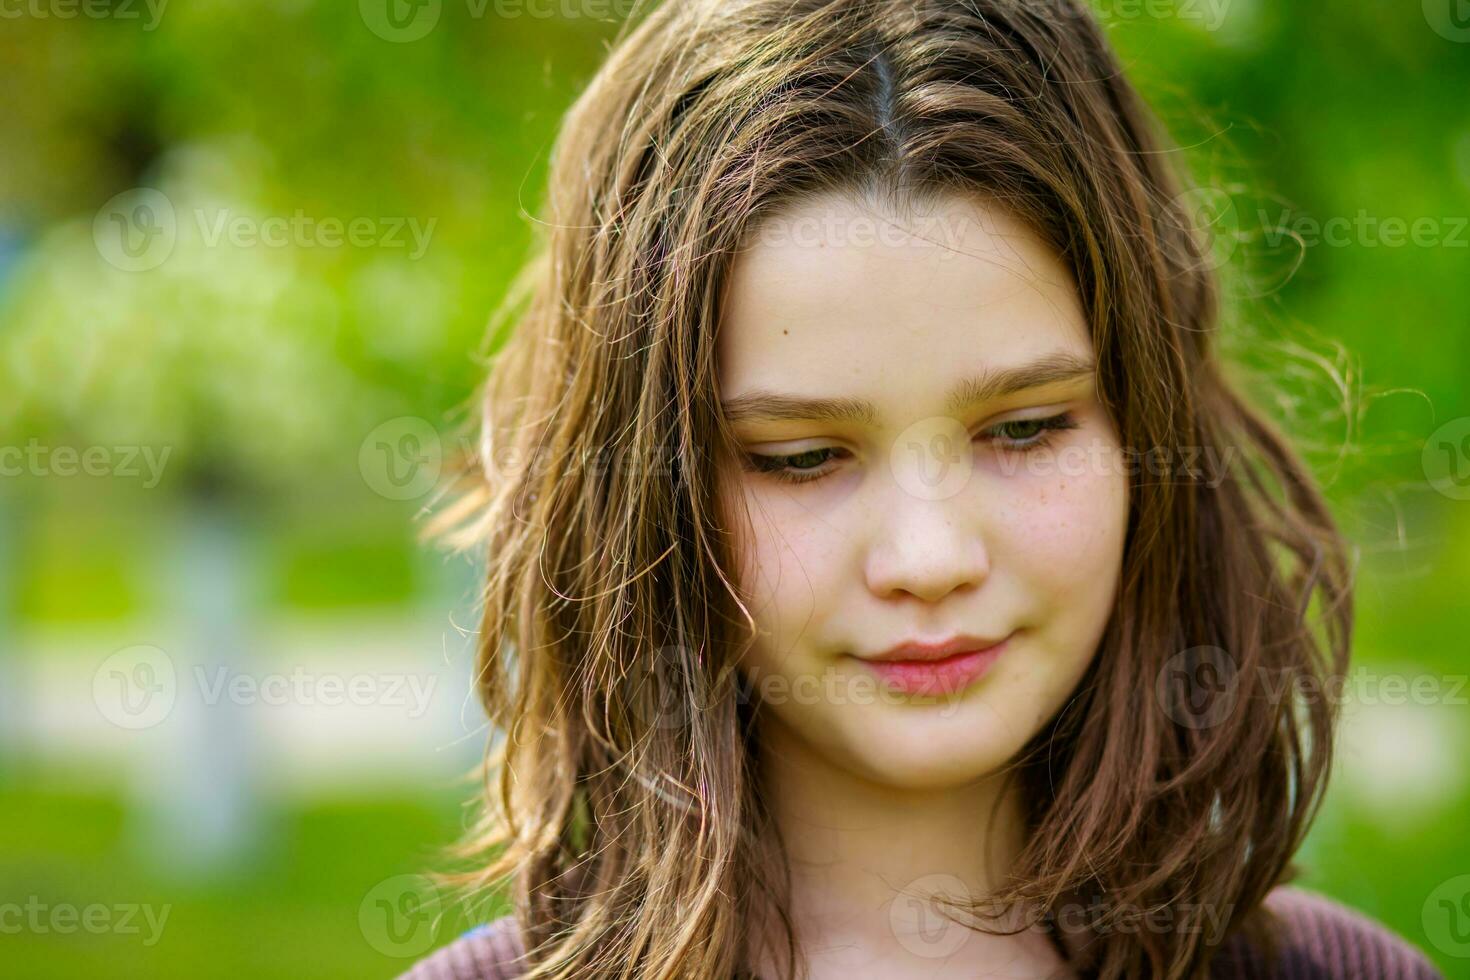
(925, 548)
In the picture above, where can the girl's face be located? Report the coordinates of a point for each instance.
(928, 380)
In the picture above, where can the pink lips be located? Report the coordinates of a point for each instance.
(936, 668)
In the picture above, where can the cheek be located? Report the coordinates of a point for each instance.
(1071, 526)
(1060, 534)
(789, 561)
(1059, 539)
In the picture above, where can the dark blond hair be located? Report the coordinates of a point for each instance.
(640, 847)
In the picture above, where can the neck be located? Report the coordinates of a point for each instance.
(863, 855)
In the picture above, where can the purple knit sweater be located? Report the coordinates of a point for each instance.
(1321, 939)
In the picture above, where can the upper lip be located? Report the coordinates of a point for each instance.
(935, 649)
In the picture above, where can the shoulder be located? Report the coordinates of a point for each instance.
(488, 952)
(1318, 937)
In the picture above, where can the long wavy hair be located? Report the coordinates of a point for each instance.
(620, 796)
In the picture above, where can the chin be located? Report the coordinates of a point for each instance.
(925, 776)
(915, 748)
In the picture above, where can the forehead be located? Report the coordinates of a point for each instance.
(837, 294)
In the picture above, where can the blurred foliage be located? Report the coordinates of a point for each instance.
(262, 368)
(294, 914)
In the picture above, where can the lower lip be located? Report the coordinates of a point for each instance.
(948, 676)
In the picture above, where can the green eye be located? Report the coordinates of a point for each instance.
(1029, 433)
(794, 468)
(1021, 429)
(1015, 435)
(808, 460)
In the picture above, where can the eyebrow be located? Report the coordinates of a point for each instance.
(767, 406)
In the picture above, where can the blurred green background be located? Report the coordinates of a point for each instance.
(247, 254)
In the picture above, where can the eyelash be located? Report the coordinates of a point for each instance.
(779, 466)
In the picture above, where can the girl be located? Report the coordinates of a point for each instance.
(884, 581)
